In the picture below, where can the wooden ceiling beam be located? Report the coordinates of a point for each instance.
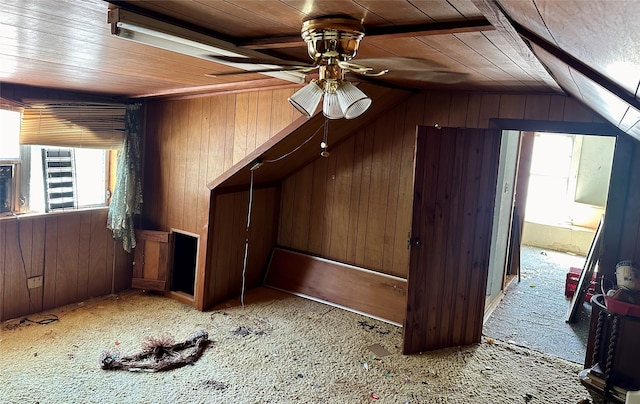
(396, 31)
(503, 23)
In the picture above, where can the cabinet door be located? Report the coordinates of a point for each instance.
(151, 262)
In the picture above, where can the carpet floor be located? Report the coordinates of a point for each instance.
(279, 348)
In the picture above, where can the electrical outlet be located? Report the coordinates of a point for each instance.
(34, 282)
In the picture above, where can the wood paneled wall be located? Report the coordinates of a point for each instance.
(190, 142)
(227, 243)
(74, 253)
(355, 206)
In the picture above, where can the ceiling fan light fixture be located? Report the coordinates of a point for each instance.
(353, 102)
(331, 106)
(306, 99)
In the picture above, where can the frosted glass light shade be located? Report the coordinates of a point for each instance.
(306, 99)
(353, 102)
(331, 106)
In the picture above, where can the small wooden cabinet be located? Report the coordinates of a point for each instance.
(152, 259)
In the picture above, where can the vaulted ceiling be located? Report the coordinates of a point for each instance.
(587, 49)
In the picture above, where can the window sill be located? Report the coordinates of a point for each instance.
(16, 216)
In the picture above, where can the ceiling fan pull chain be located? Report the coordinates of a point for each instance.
(324, 145)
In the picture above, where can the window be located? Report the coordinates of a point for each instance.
(32, 183)
(548, 194)
(9, 135)
(90, 175)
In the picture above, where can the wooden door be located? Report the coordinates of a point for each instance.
(454, 193)
(151, 262)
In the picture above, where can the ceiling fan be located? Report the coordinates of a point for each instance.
(332, 42)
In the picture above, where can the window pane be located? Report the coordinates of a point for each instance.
(547, 199)
(9, 135)
(90, 177)
(552, 155)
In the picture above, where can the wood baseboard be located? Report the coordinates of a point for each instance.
(356, 289)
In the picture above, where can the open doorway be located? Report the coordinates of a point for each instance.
(560, 184)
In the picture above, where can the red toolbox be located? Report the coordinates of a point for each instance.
(571, 283)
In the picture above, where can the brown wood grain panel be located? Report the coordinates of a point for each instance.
(413, 116)
(455, 229)
(329, 203)
(50, 262)
(193, 160)
(281, 112)
(614, 240)
(365, 291)
(37, 260)
(365, 195)
(484, 221)
(392, 232)
(424, 233)
(217, 126)
(631, 228)
(318, 198)
(512, 106)
(123, 268)
(111, 270)
(459, 110)
(354, 197)
(152, 184)
(203, 195)
(229, 131)
(378, 193)
(299, 229)
(537, 107)
(556, 107)
(222, 242)
(339, 233)
(239, 238)
(179, 138)
(165, 155)
(15, 295)
(240, 127)
(473, 111)
(422, 207)
(489, 108)
(437, 109)
(435, 268)
(67, 260)
(442, 189)
(99, 282)
(84, 256)
(285, 233)
(252, 122)
(473, 158)
(263, 118)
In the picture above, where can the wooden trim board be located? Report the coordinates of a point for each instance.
(360, 290)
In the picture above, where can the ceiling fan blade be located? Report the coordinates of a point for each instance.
(299, 69)
(256, 61)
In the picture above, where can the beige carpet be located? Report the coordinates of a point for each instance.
(277, 349)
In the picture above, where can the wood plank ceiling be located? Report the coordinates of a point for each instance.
(588, 49)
